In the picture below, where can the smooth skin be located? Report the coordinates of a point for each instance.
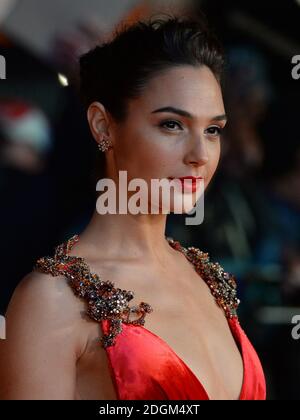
(51, 350)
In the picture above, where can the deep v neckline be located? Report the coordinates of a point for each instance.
(239, 344)
(233, 330)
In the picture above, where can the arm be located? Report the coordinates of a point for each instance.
(38, 357)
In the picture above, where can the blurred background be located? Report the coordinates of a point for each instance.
(252, 206)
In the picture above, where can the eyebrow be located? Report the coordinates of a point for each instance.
(186, 113)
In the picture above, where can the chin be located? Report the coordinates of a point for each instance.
(184, 203)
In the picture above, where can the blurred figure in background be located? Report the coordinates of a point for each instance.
(25, 142)
(248, 95)
(282, 175)
(26, 136)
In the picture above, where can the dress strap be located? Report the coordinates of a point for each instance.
(222, 284)
(105, 301)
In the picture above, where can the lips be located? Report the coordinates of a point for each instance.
(191, 184)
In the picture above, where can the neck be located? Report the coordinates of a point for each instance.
(127, 237)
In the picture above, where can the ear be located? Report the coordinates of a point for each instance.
(99, 121)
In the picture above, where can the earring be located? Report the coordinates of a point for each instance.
(105, 144)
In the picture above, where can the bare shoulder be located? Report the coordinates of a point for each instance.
(48, 302)
(45, 336)
(43, 289)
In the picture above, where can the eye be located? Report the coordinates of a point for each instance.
(170, 124)
(214, 131)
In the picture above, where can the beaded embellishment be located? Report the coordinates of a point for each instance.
(222, 284)
(105, 301)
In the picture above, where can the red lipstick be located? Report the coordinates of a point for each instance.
(191, 184)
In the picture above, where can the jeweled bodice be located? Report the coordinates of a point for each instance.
(105, 301)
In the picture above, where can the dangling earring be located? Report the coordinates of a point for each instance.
(105, 144)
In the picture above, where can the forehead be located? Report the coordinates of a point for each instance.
(194, 89)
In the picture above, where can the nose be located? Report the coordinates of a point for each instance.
(197, 154)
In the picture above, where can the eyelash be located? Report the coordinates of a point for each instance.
(219, 129)
(170, 121)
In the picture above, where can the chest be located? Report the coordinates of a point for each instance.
(189, 321)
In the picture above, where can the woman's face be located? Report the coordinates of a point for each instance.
(172, 130)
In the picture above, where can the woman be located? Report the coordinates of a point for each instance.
(154, 106)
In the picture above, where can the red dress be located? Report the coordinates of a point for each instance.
(142, 365)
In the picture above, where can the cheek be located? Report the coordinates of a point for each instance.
(143, 154)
